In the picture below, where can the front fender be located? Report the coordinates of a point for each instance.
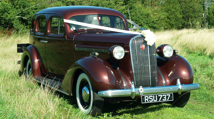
(37, 65)
(100, 73)
(176, 67)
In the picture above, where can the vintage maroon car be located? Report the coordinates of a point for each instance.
(89, 52)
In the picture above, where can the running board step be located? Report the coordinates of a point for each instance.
(52, 83)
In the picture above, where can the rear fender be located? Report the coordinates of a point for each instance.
(37, 65)
(100, 73)
(175, 67)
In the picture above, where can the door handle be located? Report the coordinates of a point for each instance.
(43, 41)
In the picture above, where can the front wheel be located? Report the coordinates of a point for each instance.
(181, 100)
(28, 70)
(87, 99)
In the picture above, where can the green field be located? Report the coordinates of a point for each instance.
(20, 98)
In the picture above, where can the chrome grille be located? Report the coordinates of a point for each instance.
(144, 64)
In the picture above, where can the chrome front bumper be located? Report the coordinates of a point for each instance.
(148, 90)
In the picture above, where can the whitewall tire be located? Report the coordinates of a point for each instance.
(87, 99)
(28, 70)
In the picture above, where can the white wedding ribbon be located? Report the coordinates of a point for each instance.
(99, 27)
(149, 36)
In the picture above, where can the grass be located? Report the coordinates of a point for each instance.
(194, 40)
(20, 98)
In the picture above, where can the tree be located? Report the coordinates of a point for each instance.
(192, 12)
(151, 14)
(210, 17)
(147, 13)
(18, 13)
(174, 14)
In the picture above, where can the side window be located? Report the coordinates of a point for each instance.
(40, 25)
(56, 25)
(105, 21)
(33, 25)
(119, 23)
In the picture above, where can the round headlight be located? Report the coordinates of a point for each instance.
(118, 52)
(168, 51)
(165, 50)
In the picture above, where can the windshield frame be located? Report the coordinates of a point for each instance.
(98, 18)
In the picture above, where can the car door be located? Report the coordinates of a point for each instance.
(39, 38)
(59, 50)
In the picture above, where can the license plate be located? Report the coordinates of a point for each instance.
(157, 98)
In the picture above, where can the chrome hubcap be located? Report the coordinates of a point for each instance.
(85, 94)
(30, 71)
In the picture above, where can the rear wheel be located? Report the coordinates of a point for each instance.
(181, 100)
(87, 99)
(28, 70)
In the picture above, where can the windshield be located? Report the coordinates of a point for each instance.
(104, 20)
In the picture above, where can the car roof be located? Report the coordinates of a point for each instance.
(67, 11)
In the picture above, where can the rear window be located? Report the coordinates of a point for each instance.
(41, 21)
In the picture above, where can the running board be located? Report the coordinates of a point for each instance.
(52, 83)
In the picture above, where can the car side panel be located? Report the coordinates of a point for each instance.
(32, 53)
(100, 73)
(176, 67)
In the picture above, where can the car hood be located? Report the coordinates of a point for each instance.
(117, 38)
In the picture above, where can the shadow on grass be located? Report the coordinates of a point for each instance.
(70, 99)
(133, 108)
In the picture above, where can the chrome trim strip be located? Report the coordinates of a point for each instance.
(52, 87)
(179, 86)
(132, 90)
(130, 48)
(43, 41)
(149, 66)
(148, 90)
(164, 83)
(91, 50)
(124, 82)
